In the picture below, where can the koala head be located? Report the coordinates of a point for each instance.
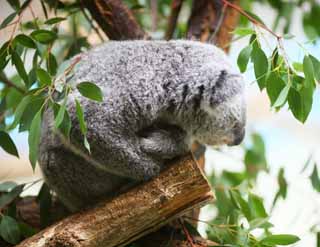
(223, 106)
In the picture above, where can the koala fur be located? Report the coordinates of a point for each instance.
(159, 97)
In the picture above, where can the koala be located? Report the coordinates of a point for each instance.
(159, 97)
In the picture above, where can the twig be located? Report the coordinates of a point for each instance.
(9, 83)
(253, 20)
(154, 14)
(189, 237)
(90, 21)
(220, 21)
(172, 23)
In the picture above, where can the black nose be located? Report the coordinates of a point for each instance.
(239, 133)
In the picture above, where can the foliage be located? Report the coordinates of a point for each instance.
(51, 44)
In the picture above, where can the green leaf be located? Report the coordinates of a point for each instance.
(282, 184)
(34, 138)
(86, 144)
(274, 58)
(243, 58)
(25, 41)
(314, 178)
(20, 110)
(254, 16)
(52, 64)
(298, 66)
(44, 36)
(9, 230)
(44, 77)
(26, 230)
(45, 202)
(308, 71)
(54, 20)
(7, 198)
(27, 116)
(256, 206)
(260, 223)
(282, 98)
(7, 144)
(261, 65)
(300, 103)
(16, 60)
(242, 31)
(275, 85)
(65, 125)
(316, 67)
(281, 239)
(7, 186)
(243, 205)
(80, 116)
(13, 98)
(59, 118)
(15, 4)
(288, 36)
(7, 20)
(90, 90)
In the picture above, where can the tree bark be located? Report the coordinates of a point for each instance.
(115, 19)
(211, 21)
(133, 214)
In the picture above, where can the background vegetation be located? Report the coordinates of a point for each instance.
(40, 52)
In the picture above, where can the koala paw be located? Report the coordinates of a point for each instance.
(164, 143)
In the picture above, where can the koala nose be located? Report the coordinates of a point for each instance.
(238, 133)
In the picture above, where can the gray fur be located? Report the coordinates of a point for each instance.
(159, 97)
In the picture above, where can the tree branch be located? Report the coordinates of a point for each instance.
(174, 14)
(115, 19)
(211, 17)
(9, 83)
(133, 214)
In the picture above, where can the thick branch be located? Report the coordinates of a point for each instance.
(115, 19)
(131, 215)
(211, 21)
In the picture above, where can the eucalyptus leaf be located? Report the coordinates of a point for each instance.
(52, 64)
(7, 186)
(256, 206)
(44, 36)
(261, 65)
(275, 85)
(16, 60)
(315, 179)
(59, 118)
(244, 57)
(300, 102)
(54, 20)
(308, 71)
(34, 138)
(7, 198)
(44, 77)
(25, 41)
(242, 31)
(9, 230)
(80, 116)
(316, 67)
(280, 239)
(90, 90)
(7, 20)
(282, 98)
(7, 144)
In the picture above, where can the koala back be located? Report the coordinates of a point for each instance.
(156, 100)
